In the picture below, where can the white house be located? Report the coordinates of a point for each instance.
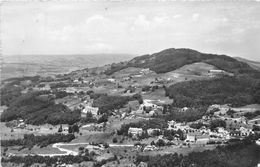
(190, 138)
(92, 110)
(135, 131)
(111, 80)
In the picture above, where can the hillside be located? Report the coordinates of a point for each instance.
(255, 65)
(172, 59)
(199, 68)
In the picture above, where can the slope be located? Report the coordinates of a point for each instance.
(253, 64)
(172, 59)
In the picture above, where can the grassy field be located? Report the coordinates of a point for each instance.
(74, 147)
(180, 150)
(158, 94)
(97, 137)
(17, 133)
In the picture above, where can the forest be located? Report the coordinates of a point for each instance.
(37, 108)
(107, 104)
(237, 91)
(189, 115)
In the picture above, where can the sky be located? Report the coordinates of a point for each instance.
(132, 27)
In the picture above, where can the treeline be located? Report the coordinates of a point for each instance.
(238, 91)
(246, 154)
(35, 109)
(146, 124)
(30, 140)
(49, 161)
(107, 104)
(29, 160)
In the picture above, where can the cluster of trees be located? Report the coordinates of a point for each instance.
(245, 153)
(197, 125)
(230, 112)
(170, 134)
(191, 114)
(238, 91)
(156, 123)
(60, 94)
(37, 110)
(30, 140)
(217, 123)
(9, 93)
(107, 104)
(251, 115)
(147, 88)
(49, 161)
(161, 143)
(58, 85)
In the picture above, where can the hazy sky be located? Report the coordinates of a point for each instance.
(130, 27)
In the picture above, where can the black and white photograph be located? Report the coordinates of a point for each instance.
(130, 83)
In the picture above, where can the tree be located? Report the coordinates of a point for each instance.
(217, 123)
(114, 140)
(75, 128)
(70, 129)
(60, 129)
(81, 150)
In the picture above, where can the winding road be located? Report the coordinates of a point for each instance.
(71, 152)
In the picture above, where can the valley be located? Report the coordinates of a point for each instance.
(166, 108)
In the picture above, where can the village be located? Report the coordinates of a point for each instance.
(135, 124)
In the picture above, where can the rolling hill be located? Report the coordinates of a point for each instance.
(172, 59)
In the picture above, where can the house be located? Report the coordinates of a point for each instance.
(184, 109)
(150, 148)
(258, 143)
(245, 131)
(148, 106)
(89, 109)
(235, 133)
(133, 105)
(190, 138)
(197, 137)
(135, 131)
(26, 82)
(202, 139)
(21, 125)
(71, 90)
(111, 80)
(145, 71)
(216, 71)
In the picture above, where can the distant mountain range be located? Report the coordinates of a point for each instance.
(30, 65)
